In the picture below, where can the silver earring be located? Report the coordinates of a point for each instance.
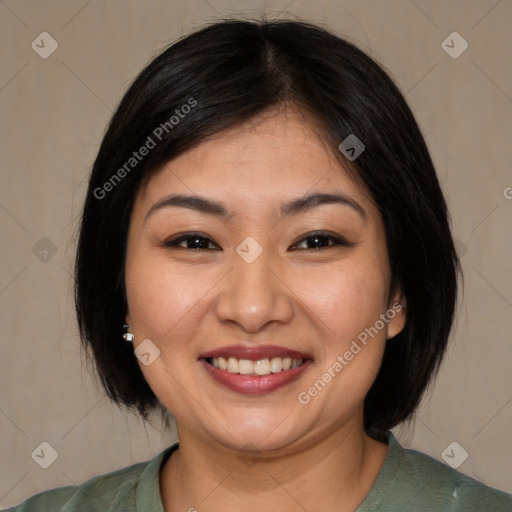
(128, 336)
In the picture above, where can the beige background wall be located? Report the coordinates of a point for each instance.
(53, 114)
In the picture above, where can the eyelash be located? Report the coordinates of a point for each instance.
(337, 241)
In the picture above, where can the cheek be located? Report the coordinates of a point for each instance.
(345, 304)
(345, 299)
(160, 295)
(165, 305)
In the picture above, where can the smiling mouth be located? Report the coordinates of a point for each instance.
(260, 367)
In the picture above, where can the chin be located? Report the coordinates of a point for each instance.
(261, 431)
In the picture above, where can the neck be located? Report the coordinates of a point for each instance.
(335, 472)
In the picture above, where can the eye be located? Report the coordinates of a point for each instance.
(194, 241)
(319, 240)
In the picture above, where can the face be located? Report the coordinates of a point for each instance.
(257, 252)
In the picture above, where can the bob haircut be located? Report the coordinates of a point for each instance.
(225, 74)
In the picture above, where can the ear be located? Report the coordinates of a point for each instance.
(397, 313)
(128, 320)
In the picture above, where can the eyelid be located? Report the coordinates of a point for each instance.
(340, 241)
(180, 237)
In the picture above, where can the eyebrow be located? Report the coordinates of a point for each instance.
(293, 207)
(200, 204)
(313, 200)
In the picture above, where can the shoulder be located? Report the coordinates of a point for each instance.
(436, 486)
(117, 490)
(97, 493)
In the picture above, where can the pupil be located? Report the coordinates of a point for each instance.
(318, 241)
(198, 243)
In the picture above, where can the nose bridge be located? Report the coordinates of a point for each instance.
(252, 284)
(253, 278)
(254, 296)
(251, 266)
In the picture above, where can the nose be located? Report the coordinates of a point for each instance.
(254, 297)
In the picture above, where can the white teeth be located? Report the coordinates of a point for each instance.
(260, 367)
(276, 365)
(245, 367)
(232, 365)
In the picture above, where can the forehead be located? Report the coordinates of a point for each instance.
(275, 157)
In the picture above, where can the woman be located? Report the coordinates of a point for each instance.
(264, 219)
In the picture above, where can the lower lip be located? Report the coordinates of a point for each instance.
(255, 384)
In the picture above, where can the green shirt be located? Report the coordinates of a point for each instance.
(409, 481)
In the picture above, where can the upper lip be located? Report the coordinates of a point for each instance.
(254, 353)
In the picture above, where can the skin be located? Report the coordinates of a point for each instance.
(257, 452)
